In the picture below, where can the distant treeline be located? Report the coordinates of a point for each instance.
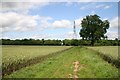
(66, 42)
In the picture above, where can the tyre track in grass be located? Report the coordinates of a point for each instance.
(14, 67)
(65, 64)
(68, 63)
(88, 67)
(77, 66)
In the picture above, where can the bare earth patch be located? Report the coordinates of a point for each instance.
(77, 67)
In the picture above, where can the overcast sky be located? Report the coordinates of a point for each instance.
(53, 20)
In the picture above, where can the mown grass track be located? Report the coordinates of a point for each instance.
(60, 66)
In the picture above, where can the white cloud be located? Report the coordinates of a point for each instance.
(42, 36)
(83, 8)
(105, 19)
(27, 0)
(112, 32)
(114, 22)
(44, 22)
(103, 6)
(93, 12)
(70, 32)
(61, 0)
(48, 36)
(62, 24)
(71, 35)
(21, 7)
(61, 36)
(93, 6)
(66, 23)
(69, 4)
(106, 7)
(14, 16)
(12, 21)
(100, 6)
(112, 35)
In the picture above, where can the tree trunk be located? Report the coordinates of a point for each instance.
(92, 42)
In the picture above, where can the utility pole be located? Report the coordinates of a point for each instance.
(74, 31)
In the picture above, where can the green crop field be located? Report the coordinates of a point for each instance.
(90, 64)
(108, 50)
(19, 54)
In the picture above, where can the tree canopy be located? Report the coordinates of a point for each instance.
(93, 28)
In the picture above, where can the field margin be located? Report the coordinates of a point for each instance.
(14, 67)
(109, 59)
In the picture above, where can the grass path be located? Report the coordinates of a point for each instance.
(60, 66)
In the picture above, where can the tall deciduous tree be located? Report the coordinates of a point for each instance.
(93, 28)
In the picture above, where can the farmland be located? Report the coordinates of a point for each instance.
(91, 65)
(13, 55)
(107, 50)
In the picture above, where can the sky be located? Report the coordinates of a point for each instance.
(53, 20)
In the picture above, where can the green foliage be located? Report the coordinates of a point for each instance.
(93, 28)
(72, 42)
(60, 66)
(52, 42)
(66, 42)
(30, 42)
